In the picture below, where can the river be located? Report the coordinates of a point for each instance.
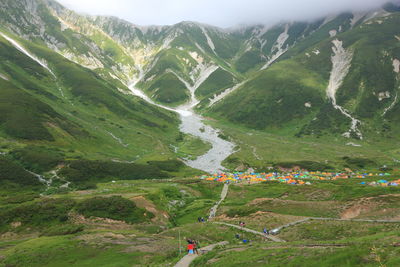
(192, 123)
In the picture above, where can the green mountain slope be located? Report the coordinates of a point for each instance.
(274, 79)
(294, 90)
(77, 113)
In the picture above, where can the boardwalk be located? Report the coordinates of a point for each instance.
(270, 237)
(187, 259)
(213, 210)
(278, 229)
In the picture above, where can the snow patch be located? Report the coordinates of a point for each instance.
(391, 105)
(27, 53)
(377, 14)
(356, 18)
(383, 95)
(396, 65)
(224, 94)
(199, 59)
(41, 178)
(333, 33)
(258, 33)
(4, 77)
(209, 40)
(87, 61)
(316, 52)
(341, 62)
(170, 38)
(328, 19)
(200, 48)
(204, 71)
(278, 47)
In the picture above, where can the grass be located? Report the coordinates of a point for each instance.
(148, 242)
(292, 256)
(95, 134)
(216, 83)
(261, 149)
(67, 251)
(335, 230)
(190, 147)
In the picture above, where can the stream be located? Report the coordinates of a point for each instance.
(192, 123)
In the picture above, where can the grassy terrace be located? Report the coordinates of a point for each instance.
(76, 228)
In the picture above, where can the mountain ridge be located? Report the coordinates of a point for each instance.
(269, 78)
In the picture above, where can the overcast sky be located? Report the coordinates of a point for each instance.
(223, 13)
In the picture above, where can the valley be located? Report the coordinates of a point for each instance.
(120, 142)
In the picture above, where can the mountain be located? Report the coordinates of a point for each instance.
(333, 78)
(93, 175)
(341, 78)
(58, 106)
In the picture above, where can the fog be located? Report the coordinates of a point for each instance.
(222, 13)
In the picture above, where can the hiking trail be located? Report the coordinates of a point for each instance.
(213, 210)
(187, 259)
(270, 237)
(278, 229)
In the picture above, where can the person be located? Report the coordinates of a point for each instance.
(199, 219)
(196, 246)
(202, 219)
(190, 248)
(266, 231)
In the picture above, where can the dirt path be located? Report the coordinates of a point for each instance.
(187, 259)
(270, 237)
(213, 210)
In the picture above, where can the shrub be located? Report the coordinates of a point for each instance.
(37, 158)
(87, 171)
(115, 207)
(38, 214)
(12, 172)
(308, 165)
(68, 229)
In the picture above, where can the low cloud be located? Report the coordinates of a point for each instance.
(223, 13)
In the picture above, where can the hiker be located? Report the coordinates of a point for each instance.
(266, 231)
(190, 248)
(202, 219)
(196, 246)
(199, 219)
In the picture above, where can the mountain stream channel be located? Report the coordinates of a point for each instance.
(192, 123)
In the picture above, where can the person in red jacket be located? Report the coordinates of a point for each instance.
(190, 248)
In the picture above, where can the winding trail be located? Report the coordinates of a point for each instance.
(224, 192)
(270, 237)
(187, 259)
